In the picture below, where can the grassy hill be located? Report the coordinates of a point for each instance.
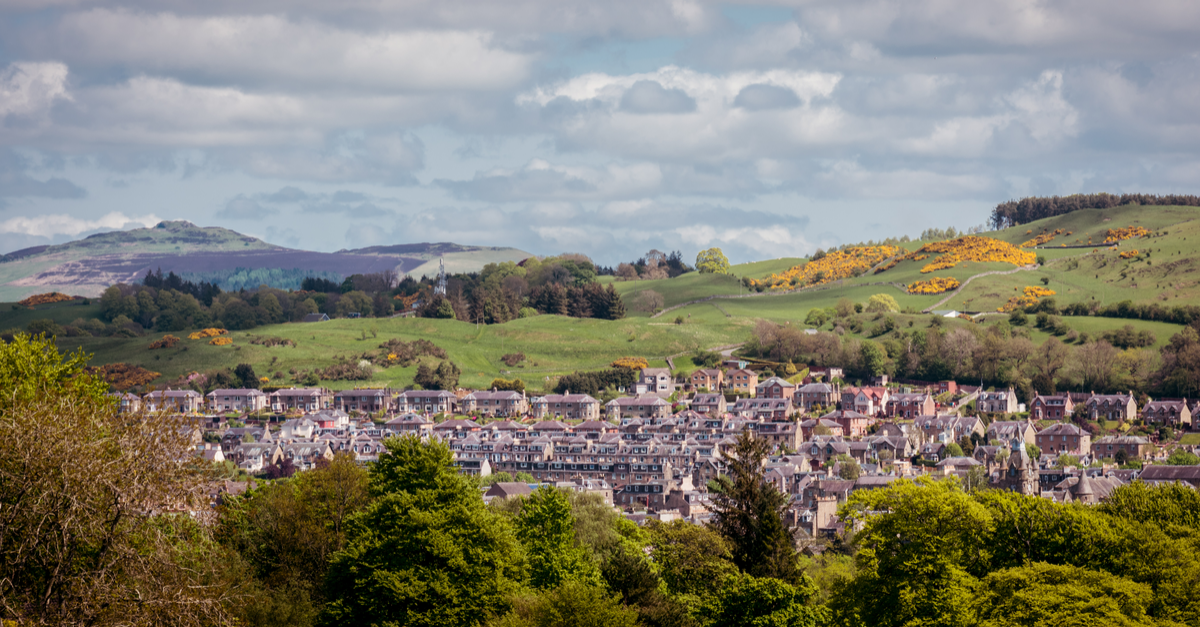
(557, 345)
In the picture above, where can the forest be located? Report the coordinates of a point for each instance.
(1026, 210)
(104, 526)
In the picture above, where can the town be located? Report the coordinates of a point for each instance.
(653, 457)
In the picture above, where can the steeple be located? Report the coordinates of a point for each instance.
(440, 288)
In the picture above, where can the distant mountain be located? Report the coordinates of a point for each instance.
(85, 267)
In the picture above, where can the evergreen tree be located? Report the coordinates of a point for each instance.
(748, 511)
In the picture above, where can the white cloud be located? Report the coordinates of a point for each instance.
(62, 224)
(28, 89)
(270, 49)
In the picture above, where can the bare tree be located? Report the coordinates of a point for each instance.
(626, 272)
(94, 524)
(648, 300)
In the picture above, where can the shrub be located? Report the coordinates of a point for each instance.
(167, 341)
(45, 299)
(221, 341)
(512, 359)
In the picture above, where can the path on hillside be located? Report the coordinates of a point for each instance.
(812, 288)
(968, 282)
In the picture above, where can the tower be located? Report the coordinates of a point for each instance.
(440, 288)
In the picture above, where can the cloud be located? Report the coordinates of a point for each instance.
(761, 97)
(651, 97)
(272, 49)
(242, 208)
(63, 224)
(540, 180)
(15, 182)
(28, 89)
(609, 233)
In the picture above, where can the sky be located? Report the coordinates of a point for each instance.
(606, 128)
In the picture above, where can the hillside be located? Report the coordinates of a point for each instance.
(720, 310)
(85, 267)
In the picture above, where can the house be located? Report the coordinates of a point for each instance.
(1119, 407)
(1064, 438)
(765, 408)
(315, 317)
(710, 379)
(854, 424)
(1134, 447)
(302, 400)
(1051, 407)
(1171, 474)
(426, 401)
(655, 381)
(239, 400)
(181, 401)
(814, 394)
(947, 386)
(504, 490)
(785, 434)
(1011, 432)
(408, 424)
(648, 407)
(827, 374)
(948, 428)
(127, 403)
(709, 404)
(865, 400)
(911, 405)
(819, 426)
(366, 400)
(775, 388)
(505, 403)
(569, 406)
(742, 380)
(999, 402)
(1170, 413)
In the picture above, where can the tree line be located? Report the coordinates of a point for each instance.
(1026, 210)
(1001, 354)
(563, 285)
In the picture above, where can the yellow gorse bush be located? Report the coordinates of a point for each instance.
(1129, 232)
(1129, 254)
(936, 285)
(1029, 297)
(45, 299)
(203, 333)
(973, 248)
(633, 363)
(1043, 238)
(834, 266)
(221, 341)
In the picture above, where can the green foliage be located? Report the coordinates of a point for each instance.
(32, 365)
(748, 512)
(574, 604)
(546, 527)
(288, 530)
(954, 450)
(743, 600)
(1046, 594)
(1180, 457)
(693, 560)
(882, 303)
(712, 261)
(426, 551)
(443, 377)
